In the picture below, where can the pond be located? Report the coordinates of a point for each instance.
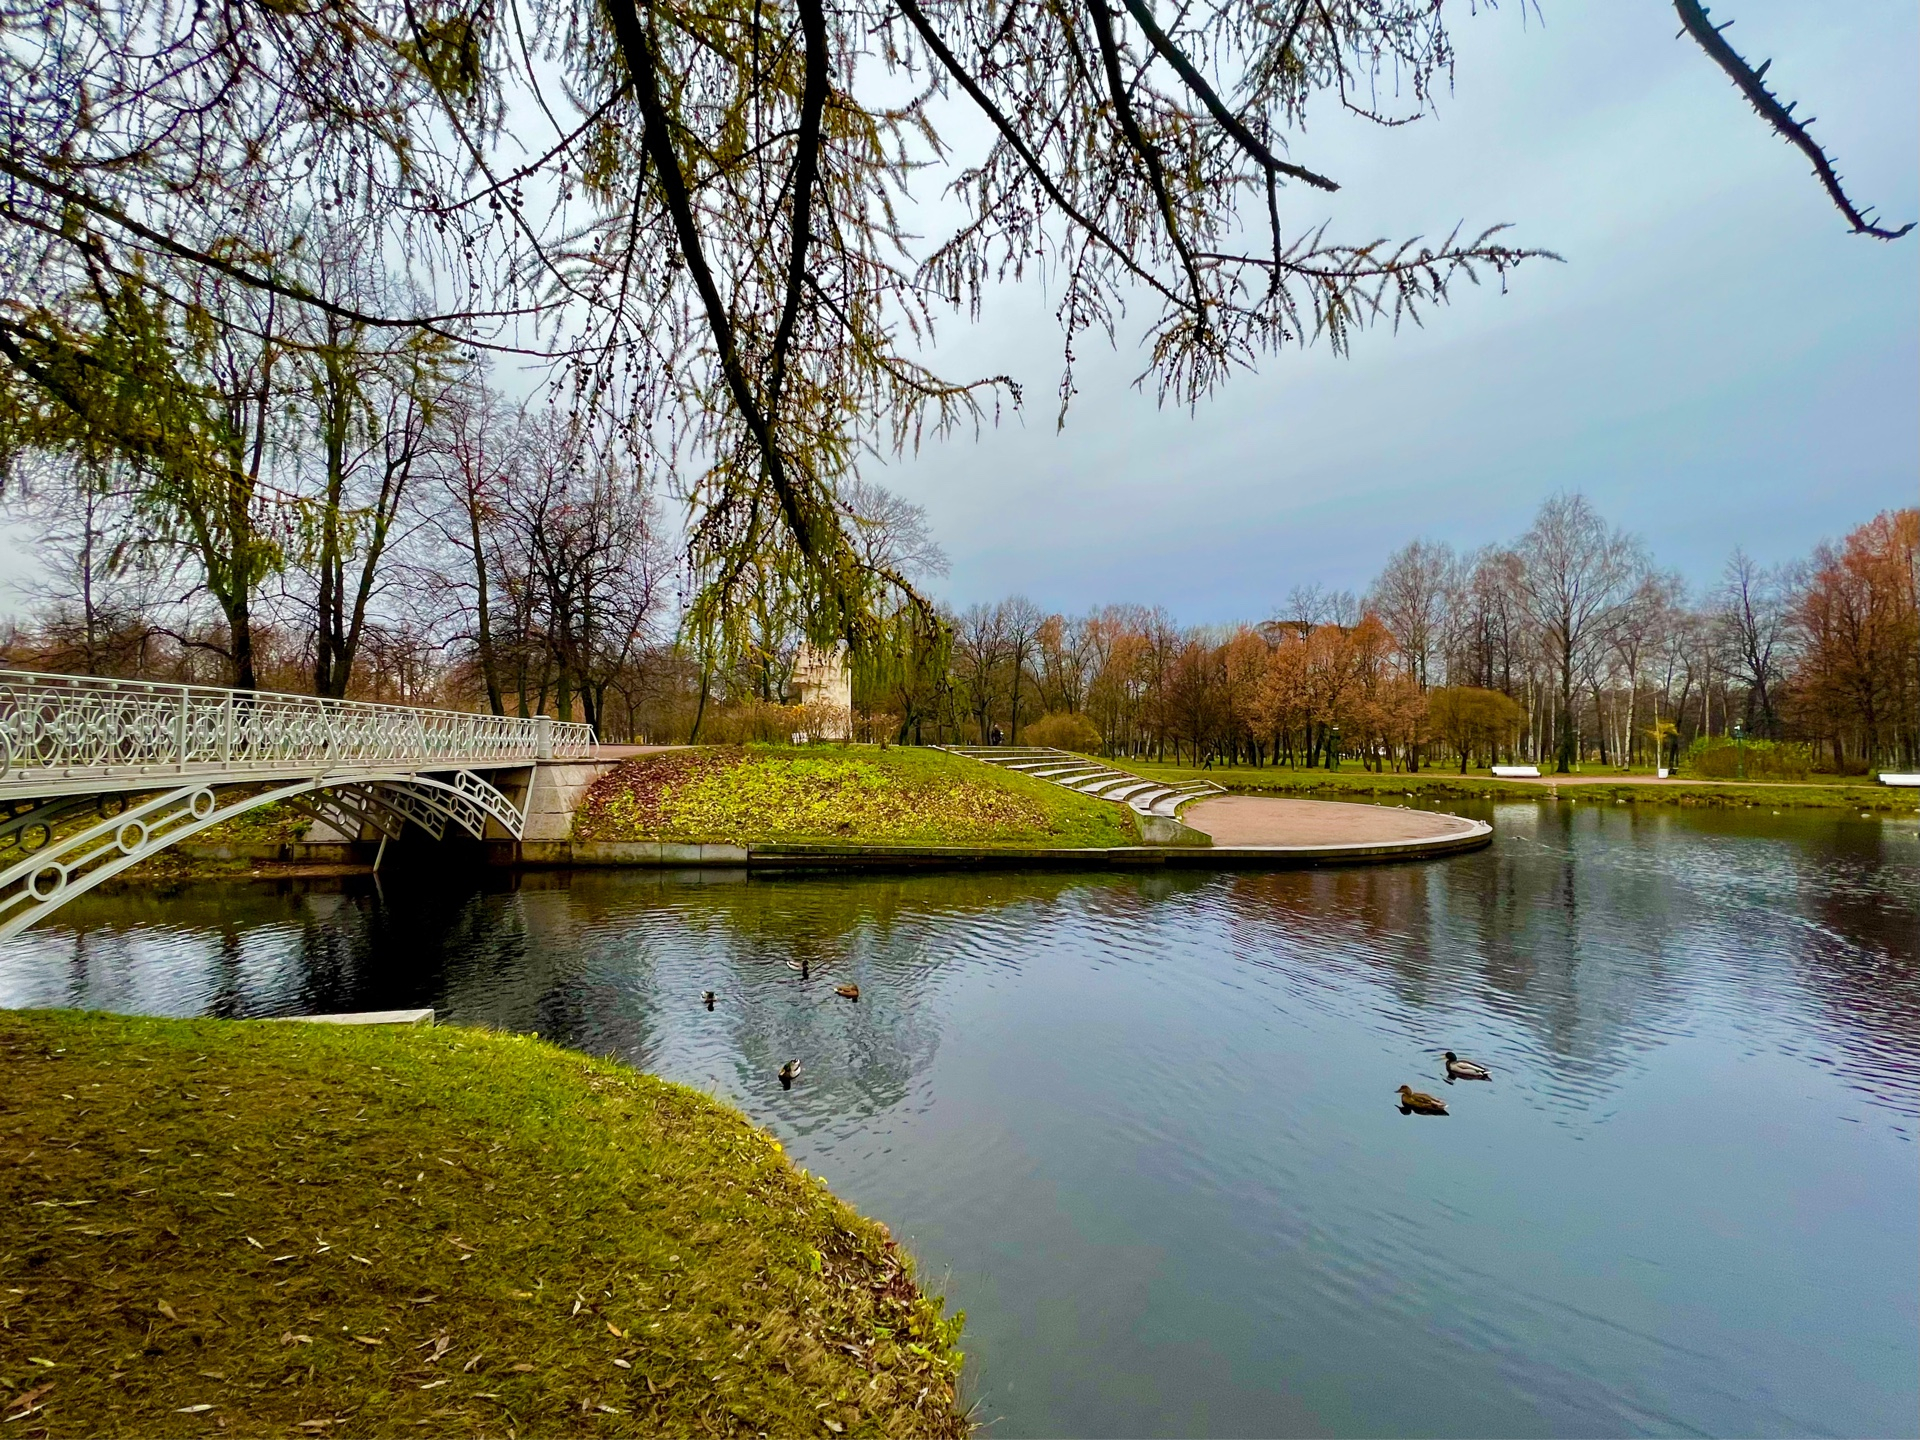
(1143, 1129)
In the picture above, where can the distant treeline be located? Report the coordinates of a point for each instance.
(1565, 646)
(530, 583)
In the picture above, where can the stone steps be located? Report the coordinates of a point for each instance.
(1090, 777)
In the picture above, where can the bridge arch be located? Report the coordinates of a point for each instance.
(161, 763)
(70, 865)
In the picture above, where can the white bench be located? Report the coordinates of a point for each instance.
(1517, 772)
(1887, 778)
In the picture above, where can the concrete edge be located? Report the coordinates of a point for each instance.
(648, 854)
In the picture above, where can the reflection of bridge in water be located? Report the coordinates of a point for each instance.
(98, 775)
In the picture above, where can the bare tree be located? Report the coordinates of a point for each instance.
(1020, 624)
(890, 533)
(1411, 597)
(1574, 570)
(979, 653)
(1754, 620)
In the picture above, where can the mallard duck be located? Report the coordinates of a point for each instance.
(803, 966)
(707, 998)
(1458, 1069)
(787, 1072)
(847, 992)
(1413, 1101)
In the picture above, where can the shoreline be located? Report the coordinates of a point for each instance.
(387, 1227)
(1359, 785)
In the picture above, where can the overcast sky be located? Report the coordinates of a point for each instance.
(1718, 362)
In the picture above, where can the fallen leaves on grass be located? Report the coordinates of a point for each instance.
(765, 794)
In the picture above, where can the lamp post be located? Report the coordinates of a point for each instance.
(1740, 749)
(1333, 750)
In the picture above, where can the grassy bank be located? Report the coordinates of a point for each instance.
(762, 794)
(248, 1228)
(1353, 783)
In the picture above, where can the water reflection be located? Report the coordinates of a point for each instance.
(1143, 1126)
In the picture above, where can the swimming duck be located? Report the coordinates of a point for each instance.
(847, 992)
(803, 966)
(708, 999)
(1412, 1101)
(1458, 1069)
(787, 1072)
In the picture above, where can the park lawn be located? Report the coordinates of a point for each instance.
(860, 794)
(1353, 783)
(250, 1228)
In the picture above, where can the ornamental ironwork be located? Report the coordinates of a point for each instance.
(65, 728)
(97, 775)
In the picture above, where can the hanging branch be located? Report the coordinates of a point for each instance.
(1752, 83)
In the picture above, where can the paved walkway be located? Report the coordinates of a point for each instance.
(1258, 820)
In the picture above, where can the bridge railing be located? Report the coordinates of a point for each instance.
(53, 725)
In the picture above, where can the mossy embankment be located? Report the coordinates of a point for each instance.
(279, 1229)
(765, 794)
(1442, 785)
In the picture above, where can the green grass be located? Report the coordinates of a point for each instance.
(215, 1227)
(763, 794)
(1351, 782)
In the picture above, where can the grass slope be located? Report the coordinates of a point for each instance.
(1357, 784)
(273, 1229)
(763, 794)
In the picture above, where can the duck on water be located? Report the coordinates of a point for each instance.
(1458, 1069)
(1413, 1102)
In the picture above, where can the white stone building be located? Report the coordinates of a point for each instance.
(822, 681)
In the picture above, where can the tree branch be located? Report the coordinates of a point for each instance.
(918, 18)
(806, 173)
(1148, 152)
(1752, 84)
(1228, 121)
(657, 140)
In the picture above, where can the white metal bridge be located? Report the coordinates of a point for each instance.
(96, 775)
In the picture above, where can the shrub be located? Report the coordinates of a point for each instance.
(1064, 730)
(1718, 758)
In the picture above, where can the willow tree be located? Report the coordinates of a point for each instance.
(716, 243)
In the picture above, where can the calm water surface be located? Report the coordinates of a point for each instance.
(1142, 1128)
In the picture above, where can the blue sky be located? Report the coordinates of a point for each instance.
(1717, 363)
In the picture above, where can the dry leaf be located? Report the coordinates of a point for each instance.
(168, 1311)
(25, 1402)
(287, 1337)
(192, 1409)
(468, 1367)
(523, 1367)
(369, 1340)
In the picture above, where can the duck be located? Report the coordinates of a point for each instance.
(1413, 1102)
(707, 999)
(787, 1072)
(847, 992)
(1458, 1069)
(805, 969)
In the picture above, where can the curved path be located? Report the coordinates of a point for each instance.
(1251, 822)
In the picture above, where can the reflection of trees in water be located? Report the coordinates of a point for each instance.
(1577, 959)
(895, 935)
(1860, 958)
